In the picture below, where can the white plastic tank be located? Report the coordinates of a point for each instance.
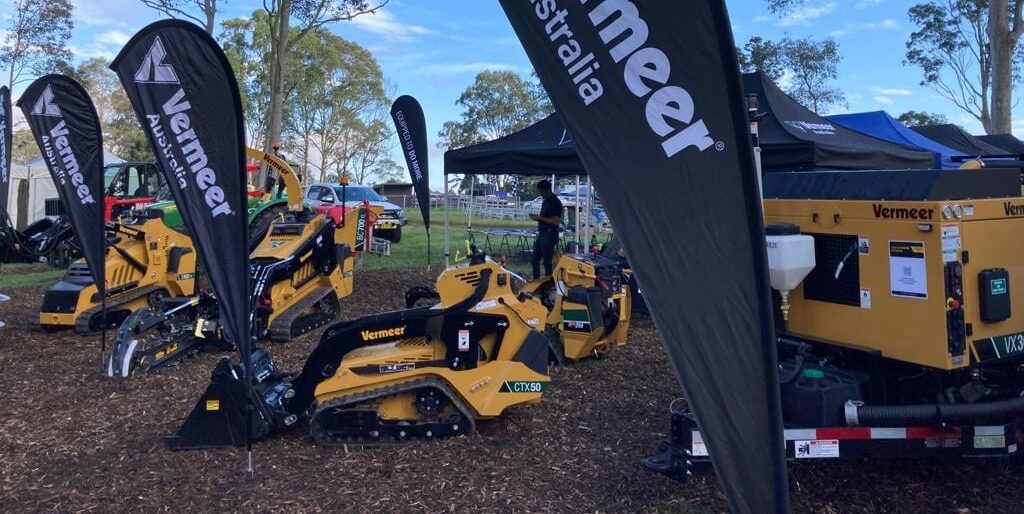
(790, 259)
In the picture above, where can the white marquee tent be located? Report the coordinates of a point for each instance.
(40, 187)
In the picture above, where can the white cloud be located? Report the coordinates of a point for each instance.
(805, 15)
(446, 69)
(894, 91)
(384, 24)
(887, 24)
(850, 28)
(864, 4)
(883, 99)
(113, 37)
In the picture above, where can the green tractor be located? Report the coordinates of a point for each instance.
(264, 206)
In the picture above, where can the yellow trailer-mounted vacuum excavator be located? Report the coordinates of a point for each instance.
(898, 333)
(417, 374)
(299, 271)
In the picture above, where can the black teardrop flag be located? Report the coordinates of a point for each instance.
(184, 93)
(651, 92)
(65, 125)
(6, 117)
(412, 136)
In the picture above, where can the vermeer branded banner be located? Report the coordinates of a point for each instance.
(651, 92)
(185, 96)
(65, 126)
(412, 136)
(5, 147)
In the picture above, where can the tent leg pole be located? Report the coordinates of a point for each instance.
(472, 188)
(447, 235)
(587, 213)
(576, 231)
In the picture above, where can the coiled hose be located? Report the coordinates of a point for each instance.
(858, 414)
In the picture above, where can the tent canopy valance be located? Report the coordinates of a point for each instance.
(544, 148)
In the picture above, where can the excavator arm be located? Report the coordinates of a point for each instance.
(292, 188)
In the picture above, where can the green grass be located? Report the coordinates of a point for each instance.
(411, 252)
(13, 276)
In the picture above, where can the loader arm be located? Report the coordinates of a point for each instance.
(292, 188)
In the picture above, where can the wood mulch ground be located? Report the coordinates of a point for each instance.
(72, 441)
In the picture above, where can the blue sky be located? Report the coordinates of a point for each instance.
(432, 49)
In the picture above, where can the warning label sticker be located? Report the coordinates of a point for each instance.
(817, 449)
(950, 241)
(908, 275)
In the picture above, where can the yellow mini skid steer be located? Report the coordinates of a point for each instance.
(299, 271)
(417, 374)
(587, 301)
(146, 264)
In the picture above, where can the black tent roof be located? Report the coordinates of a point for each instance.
(793, 138)
(1006, 142)
(544, 148)
(959, 139)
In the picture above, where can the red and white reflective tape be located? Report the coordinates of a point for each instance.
(698, 449)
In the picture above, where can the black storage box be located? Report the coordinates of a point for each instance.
(816, 396)
(994, 289)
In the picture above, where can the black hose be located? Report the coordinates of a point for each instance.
(934, 414)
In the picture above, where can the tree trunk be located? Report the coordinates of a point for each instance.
(1001, 51)
(210, 9)
(280, 58)
(305, 157)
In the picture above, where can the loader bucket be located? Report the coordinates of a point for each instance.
(218, 418)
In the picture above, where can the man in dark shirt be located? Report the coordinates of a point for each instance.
(548, 222)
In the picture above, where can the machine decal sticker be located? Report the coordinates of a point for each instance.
(864, 245)
(998, 347)
(486, 304)
(865, 298)
(908, 274)
(817, 449)
(463, 340)
(523, 386)
(950, 241)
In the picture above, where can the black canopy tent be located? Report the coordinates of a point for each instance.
(959, 139)
(1006, 142)
(793, 138)
(544, 148)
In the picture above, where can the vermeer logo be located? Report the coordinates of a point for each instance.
(45, 106)
(373, 335)
(902, 213)
(1013, 209)
(153, 70)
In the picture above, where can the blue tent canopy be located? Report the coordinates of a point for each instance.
(882, 126)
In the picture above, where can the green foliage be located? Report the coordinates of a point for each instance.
(36, 40)
(810, 64)
(922, 119)
(764, 55)
(496, 104)
(121, 131)
(246, 42)
(951, 47)
(23, 146)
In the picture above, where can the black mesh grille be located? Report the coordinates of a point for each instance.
(53, 207)
(822, 284)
